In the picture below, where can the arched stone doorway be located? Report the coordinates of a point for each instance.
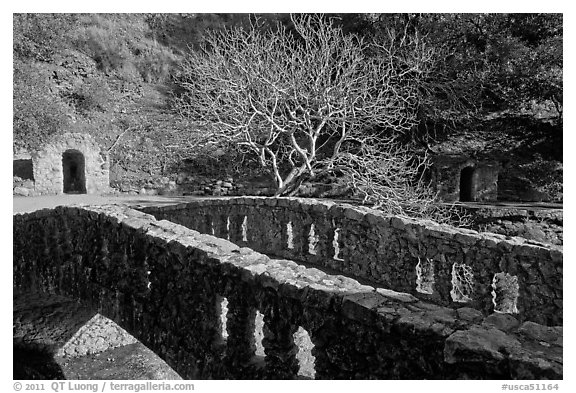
(70, 163)
(74, 171)
(467, 184)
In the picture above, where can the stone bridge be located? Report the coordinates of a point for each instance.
(426, 301)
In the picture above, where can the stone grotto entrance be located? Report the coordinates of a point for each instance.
(74, 171)
(467, 184)
(71, 163)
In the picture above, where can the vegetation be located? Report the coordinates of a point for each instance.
(306, 101)
(513, 60)
(126, 79)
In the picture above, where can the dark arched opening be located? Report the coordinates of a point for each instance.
(466, 184)
(74, 169)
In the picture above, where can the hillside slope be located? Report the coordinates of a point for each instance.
(108, 75)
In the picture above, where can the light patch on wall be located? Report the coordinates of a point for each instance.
(245, 229)
(336, 245)
(462, 283)
(505, 293)
(259, 333)
(149, 285)
(228, 228)
(306, 360)
(289, 235)
(223, 311)
(425, 276)
(312, 240)
(88, 340)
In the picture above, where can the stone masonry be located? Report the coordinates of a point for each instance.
(438, 263)
(48, 164)
(447, 177)
(164, 284)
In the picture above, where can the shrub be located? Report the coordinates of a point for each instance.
(93, 96)
(38, 111)
(547, 176)
(40, 36)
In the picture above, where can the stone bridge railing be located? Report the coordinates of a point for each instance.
(165, 284)
(442, 264)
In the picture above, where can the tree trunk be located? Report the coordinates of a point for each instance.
(293, 182)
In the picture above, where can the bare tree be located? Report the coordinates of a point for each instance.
(309, 101)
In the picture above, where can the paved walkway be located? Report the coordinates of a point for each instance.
(29, 204)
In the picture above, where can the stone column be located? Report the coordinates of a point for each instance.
(240, 343)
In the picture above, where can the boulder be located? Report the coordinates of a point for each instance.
(21, 191)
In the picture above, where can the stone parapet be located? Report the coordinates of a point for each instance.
(164, 284)
(438, 263)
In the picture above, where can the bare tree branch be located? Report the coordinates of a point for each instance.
(305, 104)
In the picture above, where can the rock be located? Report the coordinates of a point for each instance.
(21, 191)
(28, 183)
(227, 185)
(540, 332)
(535, 234)
(399, 296)
(478, 345)
(470, 314)
(353, 214)
(504, 322)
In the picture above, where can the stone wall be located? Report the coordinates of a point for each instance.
(442, 264)
(164, 284)
(446, 172)
(48, 170)
(183, 184)
(544, 225)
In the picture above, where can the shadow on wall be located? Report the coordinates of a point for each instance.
(32, 364)
(59, 338)
(42, 324)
